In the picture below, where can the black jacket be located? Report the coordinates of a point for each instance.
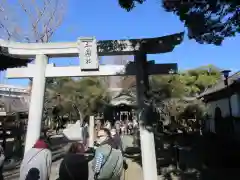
(74, 167)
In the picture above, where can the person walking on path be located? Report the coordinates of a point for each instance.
(108, 162)
(117, 139)
(98, 126)
(75, 164)
(85, 132)
(107, 125)
(118, 127)
(36, 164)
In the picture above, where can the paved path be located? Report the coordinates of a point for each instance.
(134, 171)
(54, 170)
(127, 141)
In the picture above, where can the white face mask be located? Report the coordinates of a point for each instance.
(101, 139)
(113, 133)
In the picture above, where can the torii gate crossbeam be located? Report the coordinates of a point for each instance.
(42, 51)
(105, 48)
(75, 71)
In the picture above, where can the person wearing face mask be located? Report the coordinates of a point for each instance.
(118, 127)
(108, 162)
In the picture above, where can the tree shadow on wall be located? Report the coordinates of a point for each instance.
(194, 157)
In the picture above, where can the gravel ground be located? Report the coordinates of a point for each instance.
(54, 170)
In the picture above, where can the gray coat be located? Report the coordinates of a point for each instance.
(39, 160)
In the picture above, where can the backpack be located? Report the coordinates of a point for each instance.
(112, 166)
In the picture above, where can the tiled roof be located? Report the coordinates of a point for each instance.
(8, 61)
(123, 98)
(220, 85)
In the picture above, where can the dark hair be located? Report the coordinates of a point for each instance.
(107, 131)
(86, 119)
(76, 147)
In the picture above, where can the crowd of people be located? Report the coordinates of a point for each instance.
(126, 127)
(107, 158)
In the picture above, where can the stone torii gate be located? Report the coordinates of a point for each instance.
(88, 49)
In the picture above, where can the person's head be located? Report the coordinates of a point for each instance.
(98, 122)
(113, 132)
(103, 135)
(117, 124)
(76, 147)
(86, 120)
(41, 144)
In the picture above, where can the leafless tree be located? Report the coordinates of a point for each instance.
(116, 81)
(30, 20)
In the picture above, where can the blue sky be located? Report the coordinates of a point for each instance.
(106, 20)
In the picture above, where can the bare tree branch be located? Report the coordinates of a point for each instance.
(40, 13)
(31, 20)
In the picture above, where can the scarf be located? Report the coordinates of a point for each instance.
(40, 144)
(36, 163)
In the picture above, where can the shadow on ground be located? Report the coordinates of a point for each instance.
(194, 157)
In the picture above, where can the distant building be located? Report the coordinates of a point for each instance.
(116, 81)
(13, 99)
(121, 105)
(13, 91)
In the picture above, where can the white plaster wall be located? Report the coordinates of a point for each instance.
(210, 125)
(223, 105)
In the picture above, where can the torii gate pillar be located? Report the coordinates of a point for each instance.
(36, 103)
(147, 138)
